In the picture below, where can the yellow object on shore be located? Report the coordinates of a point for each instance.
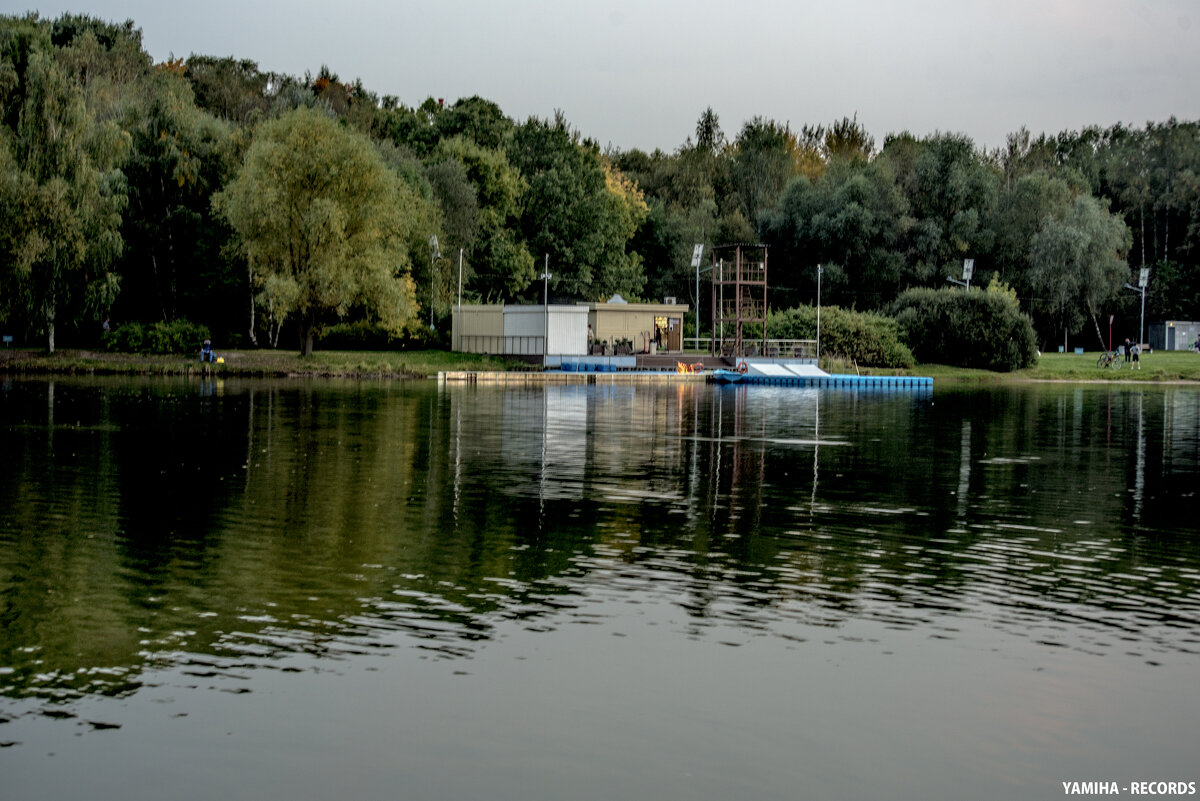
(220, 360)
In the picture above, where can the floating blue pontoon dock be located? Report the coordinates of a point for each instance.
(791, 374)
(832, 380)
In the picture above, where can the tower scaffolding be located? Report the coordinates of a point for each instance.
(739, 300)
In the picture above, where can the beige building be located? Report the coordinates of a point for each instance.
(523, 330)
(520, 330)
(644, 324)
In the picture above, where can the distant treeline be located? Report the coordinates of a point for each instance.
(130, 190)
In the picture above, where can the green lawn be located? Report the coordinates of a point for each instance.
(390, 364)
(1160, 366)
(1175, 365)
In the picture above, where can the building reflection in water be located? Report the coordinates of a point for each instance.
(704, 449)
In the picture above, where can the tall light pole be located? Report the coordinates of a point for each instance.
(697, 253)
(546, 276)
(1143, 280)
(458, 340)
(820, 270)
(434, 255)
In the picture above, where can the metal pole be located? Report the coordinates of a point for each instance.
(820, 271)
(546, 306)
(458, 328)
(697, 254)
(434, 255)
(1142, 324)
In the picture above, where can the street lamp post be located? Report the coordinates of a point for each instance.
(458, 338)
(820, 271)
(1143, 280)
(434, 255)
(697, 253)
(546, 276)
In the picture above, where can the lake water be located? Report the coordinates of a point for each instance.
(226, 589)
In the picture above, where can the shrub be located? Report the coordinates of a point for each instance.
(367, 335)
(358, 335)
(127, 338)
(869, 339)
(966, 329)
(175, 337)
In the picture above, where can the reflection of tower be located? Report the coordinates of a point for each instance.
(749, 447)
(964, 471)
(740, 438)
(739, 299)
(1139, 479)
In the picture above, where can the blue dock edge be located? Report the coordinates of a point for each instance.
(594, 364)
(866, 382)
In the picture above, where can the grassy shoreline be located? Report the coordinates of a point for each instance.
(252, 364)
(1161, 367)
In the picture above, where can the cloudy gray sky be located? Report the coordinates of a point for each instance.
(637, 73)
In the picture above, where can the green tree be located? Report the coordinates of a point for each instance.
(765, 159)
(848, 140)
(322, 223)
(853, 221)
(230, 89)
(1077, 264)
(479, 121)
(497, 265)
(62, 194)
(173, 264)
(106, 60)
(681, 191)
(951, 191)
(1021, 207)
(578, 210)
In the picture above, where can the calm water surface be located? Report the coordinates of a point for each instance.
(391, 590)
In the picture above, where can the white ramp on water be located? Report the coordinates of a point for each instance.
(768, 369)
(806, 370)
(784, 369)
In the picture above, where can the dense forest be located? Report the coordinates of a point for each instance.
(265, 206)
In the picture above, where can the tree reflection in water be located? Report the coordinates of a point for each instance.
(231, 525)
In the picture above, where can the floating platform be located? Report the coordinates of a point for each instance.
(834, 380)
(804, 374)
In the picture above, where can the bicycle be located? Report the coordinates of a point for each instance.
(1107, 359)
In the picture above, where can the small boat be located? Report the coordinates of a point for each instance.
(727, 376)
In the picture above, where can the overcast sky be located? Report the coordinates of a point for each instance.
(637, 73)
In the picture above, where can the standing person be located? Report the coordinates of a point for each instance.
(1136, 351)
(1125, 350)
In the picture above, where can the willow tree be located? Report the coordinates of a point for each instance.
(322, 224)
(1077, 263)
(61, 195)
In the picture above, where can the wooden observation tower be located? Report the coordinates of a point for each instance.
(739, 300)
